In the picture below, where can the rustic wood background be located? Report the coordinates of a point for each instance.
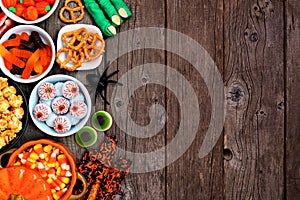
(256, 46)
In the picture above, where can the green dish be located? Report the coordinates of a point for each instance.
(101, 121)
(86, 136)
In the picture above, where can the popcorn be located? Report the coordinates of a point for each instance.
(15, 101)
(11, 112)
(9, 91)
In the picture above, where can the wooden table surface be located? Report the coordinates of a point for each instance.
(256, 46)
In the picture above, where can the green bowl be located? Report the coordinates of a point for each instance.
(101, 120)
(86, 136)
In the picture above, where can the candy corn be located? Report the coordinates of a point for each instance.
(17, 164)
(53, 184)
(58, 194)
(52, 160)
(24, 155)
(47, 148)
(38, 148)
(52, 165)
(29, 164)
(61, 184)
(65, 180)
(63, 173)
(62, 159)
(42, 170)
(51, 172)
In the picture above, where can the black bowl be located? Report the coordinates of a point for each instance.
(24, 120)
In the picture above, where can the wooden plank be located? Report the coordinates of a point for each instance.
(292, 100)
(145, 14)
(254, 127)
(52, 26)
(191, 177)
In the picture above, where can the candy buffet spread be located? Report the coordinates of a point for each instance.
(59, 105)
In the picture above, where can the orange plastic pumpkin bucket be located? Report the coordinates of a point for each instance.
(28, 152)
(15, 182)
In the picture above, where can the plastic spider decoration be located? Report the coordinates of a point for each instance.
(103, 82)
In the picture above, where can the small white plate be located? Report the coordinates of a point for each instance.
(90, 28)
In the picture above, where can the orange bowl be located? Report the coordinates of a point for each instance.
(70, 157)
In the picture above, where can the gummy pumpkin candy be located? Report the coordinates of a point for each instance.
(9, 3)
(22, 183)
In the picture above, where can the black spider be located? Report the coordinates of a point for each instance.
(103, 82)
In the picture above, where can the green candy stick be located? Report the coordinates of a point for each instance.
(106, 27)
(110, 11)
(122, 8)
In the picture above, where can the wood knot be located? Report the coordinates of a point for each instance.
(254, 37)
(256, 11)
(236, 97)
(236, 93)
(144, 80)
(251, 36)
(227, 154)
(268, 6)
(263, 8)
(119, 103)
(261, 113)
(155, 100)
(280, 106)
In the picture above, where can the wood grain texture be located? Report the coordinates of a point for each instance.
(292, 100)
(191, 177)
(256, 46)
(145, 14)
(254, 80)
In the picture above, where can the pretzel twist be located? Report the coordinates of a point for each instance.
(73, 19)
(92, 51)
(70, 63)
(79, 35)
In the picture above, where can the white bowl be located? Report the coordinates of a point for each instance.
(34, 98)
(24, 21)
(46, 39)
(92, 64)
